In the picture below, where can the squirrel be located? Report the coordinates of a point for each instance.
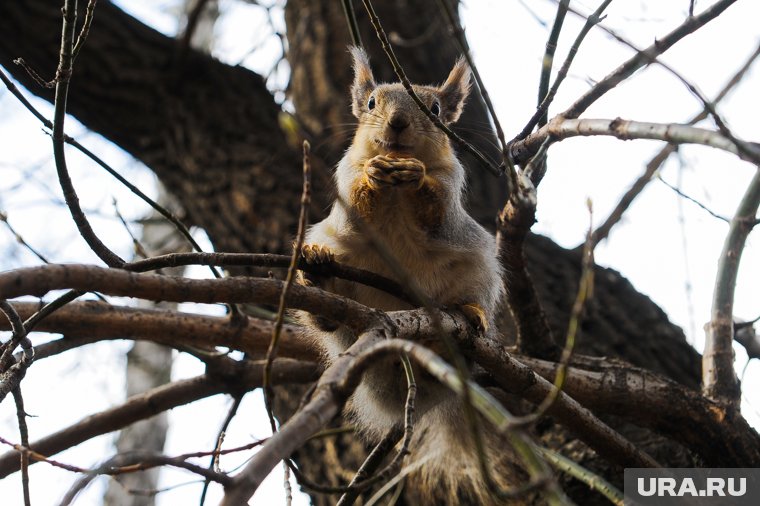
(401, 176)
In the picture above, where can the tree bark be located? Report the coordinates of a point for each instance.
(209, 131)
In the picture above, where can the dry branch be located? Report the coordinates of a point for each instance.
(87, 322)
(561, 128)
(719, 381)
(40, 280)
(721, 437)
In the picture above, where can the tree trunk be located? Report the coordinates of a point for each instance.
(210, 133)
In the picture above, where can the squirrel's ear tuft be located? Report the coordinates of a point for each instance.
(364, 81)
(454, 91)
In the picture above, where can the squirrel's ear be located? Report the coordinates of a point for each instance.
(364, 81)
(454, 91)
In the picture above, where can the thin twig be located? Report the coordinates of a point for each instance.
(580, 473)
(693, 200)
(353, 26)
(20, 239)
(181, 228)
(24, 433)
(85, 30)
(540, 117)
(214, 464)
(456, 29)
(548, 60)
(303, 219)
(370, 464)
(50, 308)
(63, 76)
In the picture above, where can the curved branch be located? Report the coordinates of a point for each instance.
(62, 78)
(270, 260)
(719, 380)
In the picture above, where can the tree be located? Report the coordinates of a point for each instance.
(149, 94)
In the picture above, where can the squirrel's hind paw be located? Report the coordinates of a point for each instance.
(476, 316)
(317, 254)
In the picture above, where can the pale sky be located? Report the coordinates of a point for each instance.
(664, 245)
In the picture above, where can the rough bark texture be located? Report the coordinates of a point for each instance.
(210, 133)
(208, 130)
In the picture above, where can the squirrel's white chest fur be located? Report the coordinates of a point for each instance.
(449, 269)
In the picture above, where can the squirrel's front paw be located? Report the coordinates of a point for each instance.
(384, 170)
(476, 316)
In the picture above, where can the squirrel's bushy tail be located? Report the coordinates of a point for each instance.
(444, 465)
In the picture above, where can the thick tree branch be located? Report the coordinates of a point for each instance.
(87, 322)
(721, 437)
(719, 380)
(40, 280)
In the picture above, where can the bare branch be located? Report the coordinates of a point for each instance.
(181, 227)
(546, 96)
(24, 433)
(270, 261)
(659, 159)
(548, 61)
(561, 128)
(274, 343)
(721, 437)
(353, 26)
(719, 380)
(63, 75)
(87, 322)
(42, 279)
(534, 335)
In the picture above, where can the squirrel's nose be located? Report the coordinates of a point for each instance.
(398, 122)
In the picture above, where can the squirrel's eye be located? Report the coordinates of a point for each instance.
(435, 108)
(371, 103)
